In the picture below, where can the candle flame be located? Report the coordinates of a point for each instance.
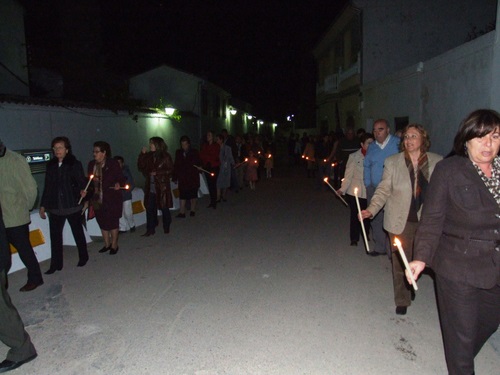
(333, 164)
(91, 176)
(397, 242)
(269, 157)
(127, 187)
(325, 179)
(303, 156)
(212, 174)
(307, 157)
(246, 159)
(356, 191)
(324, 160)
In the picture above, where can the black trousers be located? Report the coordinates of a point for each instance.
(152, 215)
(469, 316)
(212, 184)
(12, 332)
(20, 238)
(355, 225)
(56, 223)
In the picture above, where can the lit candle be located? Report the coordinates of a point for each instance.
(397, 242)
(361, 220)
(86, 187)
(203, 170)
(335, 191)
(126, 187)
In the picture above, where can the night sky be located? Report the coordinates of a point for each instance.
(259, 51)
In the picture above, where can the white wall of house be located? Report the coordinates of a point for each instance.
(34, 127)
(176, 87)
(398, 33)
(12, 49)
(438, 93)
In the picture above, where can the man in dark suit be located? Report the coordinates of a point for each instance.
(12, 332)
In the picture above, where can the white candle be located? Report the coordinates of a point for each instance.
(204, 170)
(335, 191)
(361, 220)
(86, 187)
(397, 242)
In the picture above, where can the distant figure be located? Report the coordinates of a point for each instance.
(269, 164)
(12, 332)
(127, 219)
(251, 173)
(157, 167)
(18, 193)
(226, 165)
(64, 182)
(209, 155)
(384, 146)
(188, 176)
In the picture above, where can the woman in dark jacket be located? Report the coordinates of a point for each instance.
(107, 197)
(187, 175)
(64, 181)
(156, 165)
(459, 238)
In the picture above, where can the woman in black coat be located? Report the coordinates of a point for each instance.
(459, 238)
(64, 180)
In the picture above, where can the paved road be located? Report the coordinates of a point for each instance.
(265, 284)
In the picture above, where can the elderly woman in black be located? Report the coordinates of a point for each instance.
(459, 238)
(64, 181)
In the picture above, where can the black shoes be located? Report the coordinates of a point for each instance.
(7, 365)
(166, 231)
(374, 254)
(82, 262)
(28, 287)
(132, 230)
(181, 216)
(192, 213)
(148, 233)
(113, 251)
(401, 310)
(354, 243)
(105, 249)
(51, 270)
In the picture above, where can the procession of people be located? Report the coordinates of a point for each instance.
(442, 213)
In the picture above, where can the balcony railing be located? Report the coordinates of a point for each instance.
(332, 82)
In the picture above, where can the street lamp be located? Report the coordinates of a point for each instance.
(169, 111)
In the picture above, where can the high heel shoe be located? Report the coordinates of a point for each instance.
(113, 251)
(104, 249)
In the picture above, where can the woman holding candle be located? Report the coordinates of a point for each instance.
(209, 156)
(403, 192)
(459, 238)
(187, 175)
(156, 166)
(106, 199)
(64, 182)
(353, 179)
